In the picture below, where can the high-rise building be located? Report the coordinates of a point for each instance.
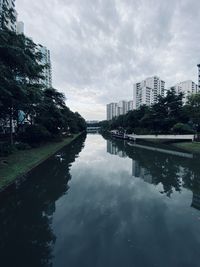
(47, 71)
(130, 105)
(198, 77)
(117, 109)
(112, 111)
(187, 88)
(147, 91)
(5, 7)
(122, 108)
(20, 27)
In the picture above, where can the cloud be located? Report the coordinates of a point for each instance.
(99, 48)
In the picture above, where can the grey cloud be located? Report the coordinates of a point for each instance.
(100, 47)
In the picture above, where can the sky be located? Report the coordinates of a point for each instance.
(99, 48)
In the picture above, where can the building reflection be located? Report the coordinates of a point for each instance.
(113, 149)
(140, 172)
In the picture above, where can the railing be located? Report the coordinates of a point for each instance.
(164, 137)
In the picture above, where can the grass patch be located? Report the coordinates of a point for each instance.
(21, 162)
(193, 147)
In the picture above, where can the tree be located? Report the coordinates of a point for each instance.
(192, 109)
(20, 69)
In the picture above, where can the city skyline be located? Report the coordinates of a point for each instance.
(100, 49)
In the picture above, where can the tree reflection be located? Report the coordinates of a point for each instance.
(173, 172)
(27, 237)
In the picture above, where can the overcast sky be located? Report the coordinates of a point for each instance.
(99, 48)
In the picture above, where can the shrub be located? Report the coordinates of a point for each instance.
(181, 128)
(22, 146)
(6, 149)
(35, 134)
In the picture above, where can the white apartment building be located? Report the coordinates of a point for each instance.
(187, 88)
(147, 91)
(198, 77)
(122, 108)
(117, 109)
(8, 4)
(46, 61)
(130, 105)
(20, 27)
(112, 111)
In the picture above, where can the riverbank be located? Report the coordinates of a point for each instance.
(21, 162)
(193, 147)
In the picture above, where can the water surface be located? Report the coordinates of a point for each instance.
(103, 203)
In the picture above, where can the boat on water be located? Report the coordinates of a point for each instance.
(119, 134)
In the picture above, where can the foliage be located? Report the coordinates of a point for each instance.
(22, 146)
(5, 149)
(44, 109)
(168, 115)
(193, 110)
(35, 134)
(181, 128)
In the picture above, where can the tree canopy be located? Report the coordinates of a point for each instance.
(23, 93)
(168, 115)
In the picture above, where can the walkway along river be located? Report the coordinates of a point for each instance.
(103, 203)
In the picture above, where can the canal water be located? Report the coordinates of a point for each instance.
(104, 203)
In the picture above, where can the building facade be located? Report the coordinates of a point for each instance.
(198, 77)
(187, 88)
(47, 71)
(147, 91)
(112, 111)
(5, 7)
(20, 27)
(117, 109)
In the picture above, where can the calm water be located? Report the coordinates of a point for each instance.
(102, 203)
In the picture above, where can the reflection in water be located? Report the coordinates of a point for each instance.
(113, 149)
(26, 213)
(95, 213)
(172, 171)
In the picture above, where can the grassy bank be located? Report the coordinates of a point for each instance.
(193, 147)
(22, 162)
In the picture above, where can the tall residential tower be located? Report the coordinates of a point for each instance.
(198, 77)
(147, 91)
(120, 108)
(187, 88)
(46, 61)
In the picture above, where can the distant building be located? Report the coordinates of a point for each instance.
(20, 27)
(46, 61)
(147, 91)
(130, 105)
(112, 111)
(187, 88)
(122, 108)
(198, 77)
(7, 5)
(117, 109)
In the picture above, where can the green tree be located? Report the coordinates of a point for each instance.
(192, 109)
(20, 69)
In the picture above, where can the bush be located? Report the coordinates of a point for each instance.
(35, 134)
(181, 128)
(22, 146)
(6, 149)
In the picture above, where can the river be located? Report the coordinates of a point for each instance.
(103, 203)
